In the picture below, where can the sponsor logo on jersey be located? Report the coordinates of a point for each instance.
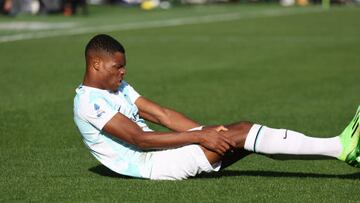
(98, 110)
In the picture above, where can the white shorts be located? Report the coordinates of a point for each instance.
(180, 163)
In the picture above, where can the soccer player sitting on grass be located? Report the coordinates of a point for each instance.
(110, 116)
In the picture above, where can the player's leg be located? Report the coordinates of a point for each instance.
(238, 133)
(345, 147)
(265, 140)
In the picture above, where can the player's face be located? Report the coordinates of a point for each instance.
(113, 70)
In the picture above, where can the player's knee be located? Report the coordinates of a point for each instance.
(243, 127)
(238, 132)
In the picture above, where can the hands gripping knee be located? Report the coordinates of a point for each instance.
(214, 139)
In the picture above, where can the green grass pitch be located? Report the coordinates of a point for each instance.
(295, 68)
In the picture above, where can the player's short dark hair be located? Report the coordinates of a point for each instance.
(104, 43)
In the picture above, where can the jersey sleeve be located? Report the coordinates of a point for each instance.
(97, 113)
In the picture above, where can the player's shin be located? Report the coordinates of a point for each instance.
(262, 139)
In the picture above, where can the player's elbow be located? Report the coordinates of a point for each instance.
(142, 142)
(144, 146)
(141, 145)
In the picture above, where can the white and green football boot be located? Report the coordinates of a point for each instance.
(350, 142)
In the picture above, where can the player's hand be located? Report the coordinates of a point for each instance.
(213, 140)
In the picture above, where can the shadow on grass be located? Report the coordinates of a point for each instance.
(103, 171)
(278, 174)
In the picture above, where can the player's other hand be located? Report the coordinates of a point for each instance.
(212, 139)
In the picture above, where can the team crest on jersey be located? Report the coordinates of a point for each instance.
(99, 111)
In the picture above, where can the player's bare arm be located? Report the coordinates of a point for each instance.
(126, 130)
(167, 117)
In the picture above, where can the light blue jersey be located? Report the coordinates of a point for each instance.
(93, 108)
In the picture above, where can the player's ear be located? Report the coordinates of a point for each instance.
(96, 62)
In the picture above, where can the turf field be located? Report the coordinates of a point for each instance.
(295, 68)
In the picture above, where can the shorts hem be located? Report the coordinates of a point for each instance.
(204, 163)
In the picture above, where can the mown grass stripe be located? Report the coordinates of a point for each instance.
(157, 24)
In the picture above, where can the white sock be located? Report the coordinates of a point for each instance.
(262, 139)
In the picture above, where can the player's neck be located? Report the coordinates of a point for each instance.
(90, 82)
